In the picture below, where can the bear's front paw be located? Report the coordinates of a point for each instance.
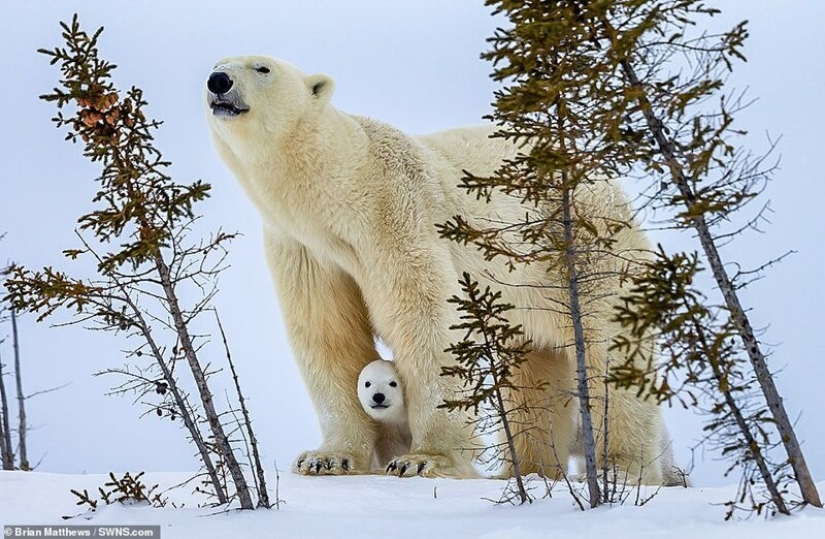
(325, 463)
(427, 466)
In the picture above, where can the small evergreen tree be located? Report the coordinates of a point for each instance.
(551, 105)
(488, 356)
(146, 265)
(704, 364)
(706, 179)
(611, 88)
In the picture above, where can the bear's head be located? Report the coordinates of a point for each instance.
(256, 96)
(380, 393)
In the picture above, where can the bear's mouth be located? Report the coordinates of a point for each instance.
(226, 108)
(379, 406)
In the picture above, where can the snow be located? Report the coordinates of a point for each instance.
(378, 506)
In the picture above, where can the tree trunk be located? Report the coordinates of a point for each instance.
(737, 313)
(508, 434)
(753, 447)
(578, 331)
(6, 452)
(185, 410)
(221, 440)
(263, 495)
(189, 421)
(606, 435)
(21, 398)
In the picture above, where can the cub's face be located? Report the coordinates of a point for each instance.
(261, 96)
(380, 393)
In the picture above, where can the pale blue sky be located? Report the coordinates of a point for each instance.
(410, 63)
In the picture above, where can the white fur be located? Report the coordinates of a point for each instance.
(672, 475)
(382, 397)
(349, 207)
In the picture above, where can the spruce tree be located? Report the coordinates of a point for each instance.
(146, 264)
(487, 358)
(605, 89)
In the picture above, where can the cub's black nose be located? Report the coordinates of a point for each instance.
(219, 82)
(378, 398)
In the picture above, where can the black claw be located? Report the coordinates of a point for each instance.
(391, 467)
(421, 467)
(317, 466)
(328, 464)
(299, 463)
(345, 464)
(404, 469)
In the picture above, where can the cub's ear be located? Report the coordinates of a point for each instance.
(320, 87)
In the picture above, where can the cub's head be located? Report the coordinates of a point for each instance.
(261, 96)
(380, 393)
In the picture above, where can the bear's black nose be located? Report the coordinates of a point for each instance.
(219, 82)
(378, 398)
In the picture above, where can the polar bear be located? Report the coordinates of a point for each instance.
(382, 398)
(349, 208)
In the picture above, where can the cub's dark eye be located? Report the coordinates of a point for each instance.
(393, 384)
(262, 69)
(367, 384)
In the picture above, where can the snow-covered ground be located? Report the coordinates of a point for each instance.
(388, 507)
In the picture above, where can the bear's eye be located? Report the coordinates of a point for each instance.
(393, 384)
(262, 69)
(367, 384)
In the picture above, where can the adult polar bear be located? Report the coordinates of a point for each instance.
(349, 207)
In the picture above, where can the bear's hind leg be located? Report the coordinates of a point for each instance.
(634, 445)
(635, 451)
(542, 416)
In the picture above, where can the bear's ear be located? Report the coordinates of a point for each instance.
(320, 87)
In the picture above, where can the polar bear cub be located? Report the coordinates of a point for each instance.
(382, 397)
